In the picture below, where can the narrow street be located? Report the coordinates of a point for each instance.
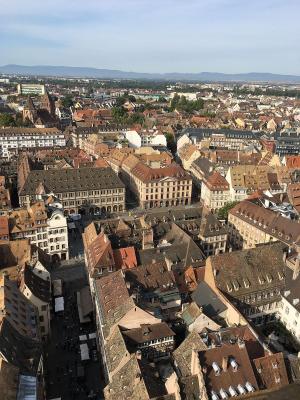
(67, 377)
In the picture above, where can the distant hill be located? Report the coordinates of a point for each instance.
(86, 72)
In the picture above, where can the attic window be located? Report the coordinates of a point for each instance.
(229, 287)
(246, 283)
(269, 278)
(235, 285)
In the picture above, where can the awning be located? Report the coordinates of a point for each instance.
(84, 352)
(59, 304)
(57, 287)
(92, 335)
(84, 304)
(27, 388)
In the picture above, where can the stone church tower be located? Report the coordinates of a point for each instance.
(47, 103)
(29, 111)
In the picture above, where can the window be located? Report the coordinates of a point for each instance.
(44, 308)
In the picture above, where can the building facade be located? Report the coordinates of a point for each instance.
(160, 187)
(14, 139)
(215, 191)
(83, 190)
(46, 230)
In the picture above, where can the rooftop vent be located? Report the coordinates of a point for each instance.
(249, 387)
(223, 394)
(216, 368)
(232, 391)
(234, 364)
(241, 389)
(214, 396)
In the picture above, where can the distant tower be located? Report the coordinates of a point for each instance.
(47, 103)
(29, 111)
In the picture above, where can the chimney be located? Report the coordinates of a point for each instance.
(296, 269)
(224, 363)
(241, 343)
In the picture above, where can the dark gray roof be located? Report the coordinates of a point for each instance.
(206, 298)
(19, 350)
(71, 180)
(40, 287)
(204, 165)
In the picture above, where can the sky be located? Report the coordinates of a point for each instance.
(230, 36)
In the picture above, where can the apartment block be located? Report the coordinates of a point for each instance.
(14, 139)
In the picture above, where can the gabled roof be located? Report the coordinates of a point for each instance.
(216, 181)
(125, 258)
(246, 271)
(147, 174)
(229, 376)
(148, 332)
(271, 371)
(183, 354)
(206, 298)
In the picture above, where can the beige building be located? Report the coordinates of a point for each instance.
(84, 190)
(159, 187)
(36, 287)
(245, 179)
(250, 224)
(188, 153)
(215, 191)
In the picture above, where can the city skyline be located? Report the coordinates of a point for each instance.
(142, 36)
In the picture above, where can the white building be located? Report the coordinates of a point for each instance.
(289, 312)
(44, 227)
(150, 137)
(153, 138)
(57, 234)
(31, 88)
(14, 139)
(134, 139)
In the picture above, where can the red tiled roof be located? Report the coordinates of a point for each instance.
(293, 162)
(271, 371)
(112, 292)
(216, 181)
(147, 174)
(125, 258)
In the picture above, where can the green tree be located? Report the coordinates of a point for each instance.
(136, 118)
(7, 120)
(162, 99)
(120, 101)
(118, 114)
(223, 212)
(12, 98)
(171, 142)
(67, 101)
(131, 98)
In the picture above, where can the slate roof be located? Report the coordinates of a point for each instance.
(40, 287)
(246, 271)
(72, 180)
(206, 298)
